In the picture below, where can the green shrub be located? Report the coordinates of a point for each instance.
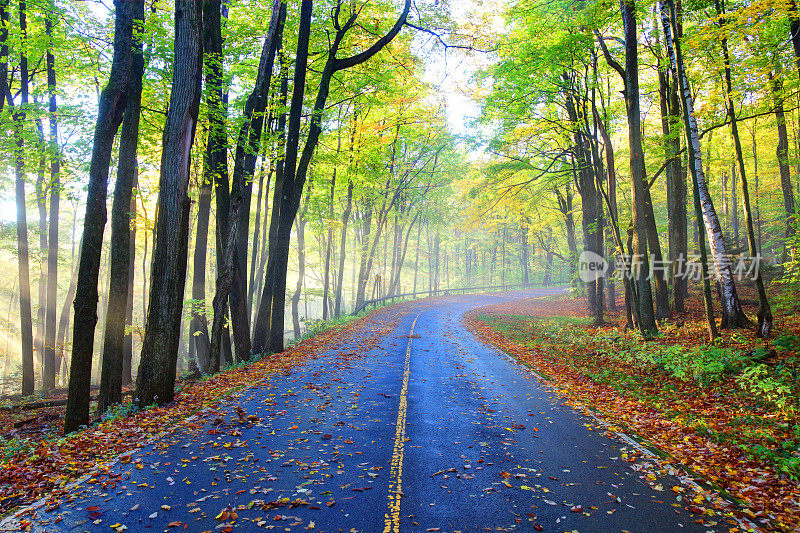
(768, 385)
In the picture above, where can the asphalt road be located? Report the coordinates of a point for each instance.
(429, 430)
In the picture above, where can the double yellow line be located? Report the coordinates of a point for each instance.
(392, 517)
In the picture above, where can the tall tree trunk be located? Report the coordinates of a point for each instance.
(436, 243)
(394, 288)
(41, 203)
(55, 194)
(254, 254)
(215, 175)
(111, 377)
(676, 187)
(755, 186)
(343, 250)
(329, 240)
(247, 149)
(585, 180)
(18, 116)
(263, 320)
(127, 340)
(113, 101)
(646, 318)
(731, 307)
(363, 270)
(301, 272)
(764, 312)
(223, 288)
(155, 380)
(611, 184)
(63, 321)
(782, 153)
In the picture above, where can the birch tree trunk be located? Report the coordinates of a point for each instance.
(732, 314)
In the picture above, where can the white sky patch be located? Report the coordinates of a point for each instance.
(450, 70)
(8, 210)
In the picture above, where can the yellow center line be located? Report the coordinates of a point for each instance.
(392, 516)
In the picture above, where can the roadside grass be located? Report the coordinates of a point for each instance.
(729, 411)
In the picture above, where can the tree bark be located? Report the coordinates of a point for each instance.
(63, 321)
(127, 341)
(155, 381)
(676, 186)
(255, 252)
(731, 307)
(329, 241)
(41, 203)
(263, 320)
(111, 377)
(247, 149)
(646, 318)
(343, 250)
(55, 194)
(764, 312)
(113, 101)
(300, 224)
(782, 152)
(18, 117)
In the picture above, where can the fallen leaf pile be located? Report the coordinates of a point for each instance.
(686, 421)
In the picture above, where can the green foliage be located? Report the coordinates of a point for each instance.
(702, 364)
(769, 385)
(789, 343)
(14, 446)
(120, 410)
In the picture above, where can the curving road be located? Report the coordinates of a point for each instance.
(428, 430)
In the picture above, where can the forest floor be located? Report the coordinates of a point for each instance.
(727, 413)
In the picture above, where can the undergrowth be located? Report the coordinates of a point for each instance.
(760, 379)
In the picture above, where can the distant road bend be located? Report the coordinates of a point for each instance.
(426, 430)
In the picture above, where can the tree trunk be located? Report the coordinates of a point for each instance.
(263, 321)
(254, 254)
(127, 341)
(55, 193)
(782, 153)
(41, 204)
(676, 187)
(18, 116)
(343, 250)
(764, 312)
(394, 288)
(297, 163)
(111, 377)
(215, 174)
(645, 318)
(301, 272)
(155, 381)
(247, 149)
(702, 198)
(363, 270)
(113, 101)
(223, 288)
(329, 240)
